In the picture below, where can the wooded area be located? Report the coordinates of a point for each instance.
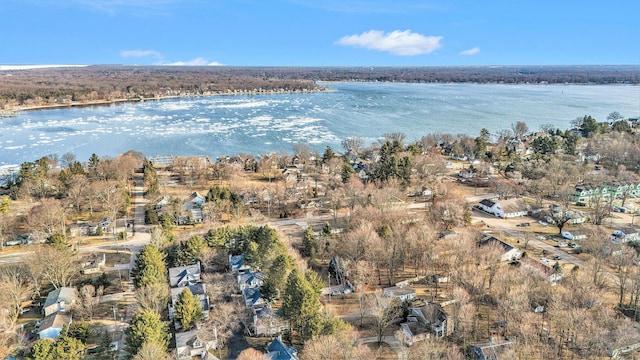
(64, 86)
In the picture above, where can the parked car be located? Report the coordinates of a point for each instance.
(545, 261)
(580, 203)
(562, 245)
(557, 257)
(336, 293)
(524, 224)
(543, 223)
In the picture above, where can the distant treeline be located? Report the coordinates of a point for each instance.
(55, 86)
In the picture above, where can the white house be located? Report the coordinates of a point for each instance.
(627, 234)
(52, 325)
(491, 207)
(59, 300)
(190, 344)
(184, 275)
(403, 292)
(574, 235)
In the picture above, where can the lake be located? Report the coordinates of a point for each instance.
(256, 124)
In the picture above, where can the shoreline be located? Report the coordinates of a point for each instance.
(12, 112)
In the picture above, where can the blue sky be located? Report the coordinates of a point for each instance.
(320, 32)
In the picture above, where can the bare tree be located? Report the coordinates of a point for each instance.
(252, 354)
(336, 347)
(88, 301)
(519, 129)
(151, 351)
(14, 289)
(154, 297)
(384, 312)
(78, 191)
(352, 144)
(48, 217)
(55, 265)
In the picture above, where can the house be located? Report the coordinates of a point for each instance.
(184, 275)
(252, 297)
(95, 264)
(193, 207)
(627, 234)
(250, 279)
(196, 289)
(338, 269)
(195, 199)
(59, 300)
(189, 344)
(513, 208)
(53, 324)
(80, 228)
(509, 252)
(267, 322)
(491, 350)
(467, 173)
(236, 263)
(491, 207)
(277, 350)
(576, 234)
(426, 320)
(575, 217)
(403, 292)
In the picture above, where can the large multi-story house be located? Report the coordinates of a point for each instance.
(588, 192)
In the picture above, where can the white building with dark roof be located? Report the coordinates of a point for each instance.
(184, 275)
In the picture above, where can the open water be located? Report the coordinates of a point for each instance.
(228, 125)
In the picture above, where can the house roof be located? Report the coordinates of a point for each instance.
(431, 312)
(251, 295)
(487, 202)
(628, 230)
(197, 289)
(400, 290)
(513, 206)
(489, 350)
(279, 351)
(66, 294)
(250, 278)
(236, 261)
(487, 240)
(186, 338)
(181, 274)
(55, 320)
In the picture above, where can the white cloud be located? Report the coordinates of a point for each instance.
(403, 43)
(137, 53)
(471, 51)
(199, 61)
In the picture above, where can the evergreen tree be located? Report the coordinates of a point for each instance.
(150, 267)
(188, 309)
(269, 291)
(300, 305)
(65, 348)
(146, 326)
(328, 154)
(5, 204)
(59, 241)
(310, 244)
(279, 270)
